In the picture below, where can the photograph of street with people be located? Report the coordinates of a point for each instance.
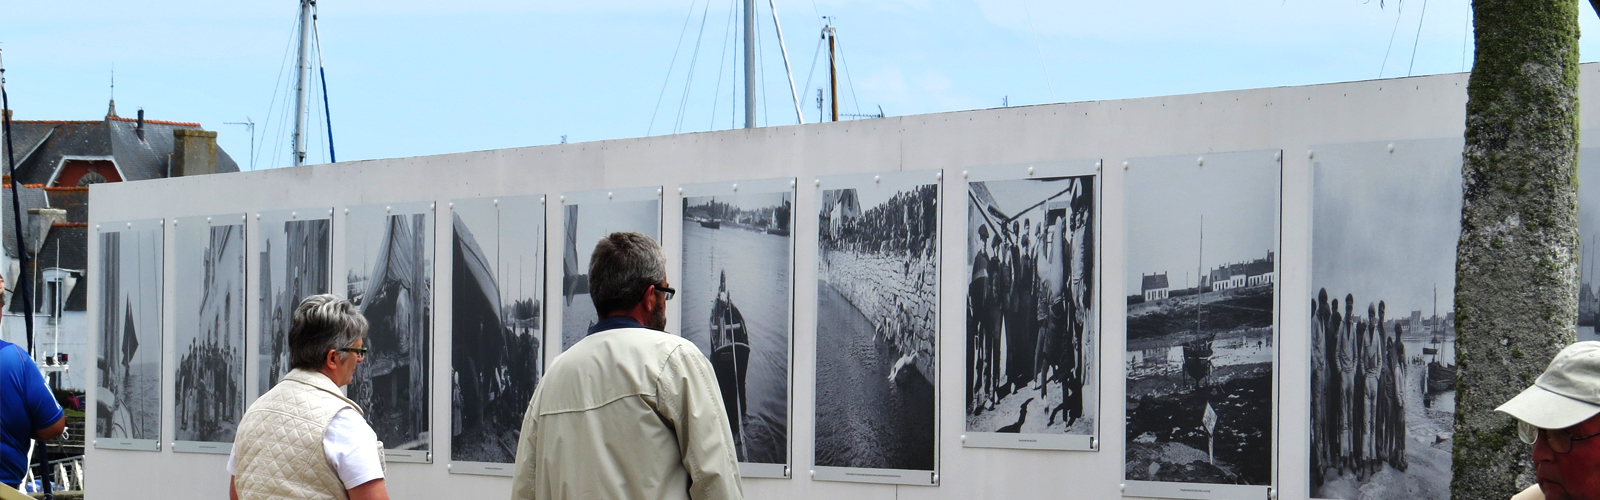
(210, 258)
(1202, 282)
(877, 322)
(1382, 323)
(1031, 307)
(737, 307)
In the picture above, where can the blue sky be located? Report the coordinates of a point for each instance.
(413, 77)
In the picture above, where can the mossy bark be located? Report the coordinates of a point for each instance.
(1516, 265)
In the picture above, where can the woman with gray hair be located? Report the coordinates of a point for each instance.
(304, 438)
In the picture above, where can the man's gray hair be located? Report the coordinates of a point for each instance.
(323, 323)
(622, 265)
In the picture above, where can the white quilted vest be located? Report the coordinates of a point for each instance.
(278, 448)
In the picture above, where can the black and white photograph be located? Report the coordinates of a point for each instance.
(389, 276)
(1589, 246)
(1031, 309)
(128, 401)
(1201, 323)
(497, 325)
(737, 306)
(1383, 369)
(586, 218)
(209, 296)
(295, 252)
(878, 323)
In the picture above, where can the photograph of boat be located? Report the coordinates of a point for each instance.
(389, 276)
(496, 335)
(1201, 323)
(737, 307)
(128, 408)
(586, 218)
(1382, 319)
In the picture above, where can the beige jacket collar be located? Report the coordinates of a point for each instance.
(321, 382)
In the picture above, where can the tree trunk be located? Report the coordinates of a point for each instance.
(1516, 265)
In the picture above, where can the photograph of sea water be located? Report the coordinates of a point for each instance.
(1201, 322)
(128, 406)
(877, 322)
(734, 291)
(1589, 245)
(586, 218)
(1382, 322)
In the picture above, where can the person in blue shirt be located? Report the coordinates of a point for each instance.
(27, 410)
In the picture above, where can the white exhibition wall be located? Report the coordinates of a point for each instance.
(1295, 120)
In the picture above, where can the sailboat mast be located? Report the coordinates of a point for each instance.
(833, 72)
(749, 63)
(302, 83)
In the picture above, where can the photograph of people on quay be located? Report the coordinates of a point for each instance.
(877, 321)
(583, 224)
(389, 276)
(1589, 245)
(497, 316)
(1032, 317)
(296, 255)
(736, 306)
(1202, 277)
(1382, 325)
(128, 404)
(210, 329)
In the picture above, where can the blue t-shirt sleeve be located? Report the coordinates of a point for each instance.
(41, 404)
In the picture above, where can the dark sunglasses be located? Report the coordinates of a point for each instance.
(669, 291)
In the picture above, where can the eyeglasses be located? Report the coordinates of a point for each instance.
(362, 351)
(669, 291)
(1560, 440)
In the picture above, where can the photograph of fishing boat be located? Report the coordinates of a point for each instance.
(1382, 324)
(209, 255)
(296, 252)
(1589, 245)
(586, 218)
(1032, 314)
(128, 404)
(737, 306)
(1201, 321)
(497, 324)
(389, 276)
(877, 322)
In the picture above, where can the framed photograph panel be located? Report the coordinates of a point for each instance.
(294, 251)
(127, 409)
(586, 218)
(209, 295)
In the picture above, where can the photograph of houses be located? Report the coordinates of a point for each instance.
(1201, 322)
(295, 250)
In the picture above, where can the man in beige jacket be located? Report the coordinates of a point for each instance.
(629, 412)
(304, 439)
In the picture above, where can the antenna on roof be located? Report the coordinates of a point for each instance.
(249, 125)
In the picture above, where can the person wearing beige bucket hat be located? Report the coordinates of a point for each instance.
(1559, 415)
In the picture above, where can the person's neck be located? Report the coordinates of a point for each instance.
(637, 314)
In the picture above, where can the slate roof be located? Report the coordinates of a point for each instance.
(40, 145)
(1153, 282)
(30, 197)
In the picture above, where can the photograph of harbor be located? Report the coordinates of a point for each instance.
(877, 322)
(1382, 319)
(1032, 314)
(389, 276)
(737, 307)
(209, 255)
(586, 218)
(295, 251)
(128, 404)
(497, 323)
(1589, 245)
(1201, 321)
